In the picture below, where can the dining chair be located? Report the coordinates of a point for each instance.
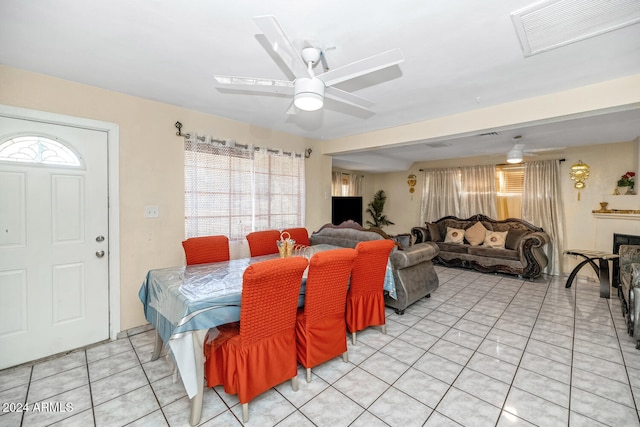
(206, 249)
(365, 299)
(320, 325)
(263, 242)
(259, 352)
(299, 234)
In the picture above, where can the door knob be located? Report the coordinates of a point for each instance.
(100, 254)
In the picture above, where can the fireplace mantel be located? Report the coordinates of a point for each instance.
(617, 214)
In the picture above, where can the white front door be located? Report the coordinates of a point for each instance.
(54, 246)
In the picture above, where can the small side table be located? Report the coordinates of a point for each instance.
(601, 268)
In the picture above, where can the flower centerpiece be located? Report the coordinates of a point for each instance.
(627, 180)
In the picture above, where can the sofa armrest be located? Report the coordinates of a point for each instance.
(532, 253)
(534, 240)
(635, 275)
(413, 255)
(421, 234)
(629, 254)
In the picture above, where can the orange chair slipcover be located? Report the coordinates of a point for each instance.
(320, 326)
(299, 234)
(263, 242)
(365, 299)
(260, 352)
(206, 249)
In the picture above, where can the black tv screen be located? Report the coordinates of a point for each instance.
(346, 208)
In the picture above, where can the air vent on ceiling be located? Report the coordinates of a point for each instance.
(436, 144)
(489, 134)
(551, 24)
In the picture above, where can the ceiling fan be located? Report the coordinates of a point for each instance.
(308, 89)
(516, 154)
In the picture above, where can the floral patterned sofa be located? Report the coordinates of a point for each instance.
(510, 246)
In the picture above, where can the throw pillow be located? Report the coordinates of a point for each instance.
(475, 234)
(434, 232)
(513, 238)
(454, 235)
(495, 239)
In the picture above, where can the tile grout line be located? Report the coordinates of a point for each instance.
(511, 386)
(93, 407)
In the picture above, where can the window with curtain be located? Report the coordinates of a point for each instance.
(461, 192)
(346, 184)
(233, 190)
(509, 185)
(530, 191)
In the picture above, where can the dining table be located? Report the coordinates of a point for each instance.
(183, 303)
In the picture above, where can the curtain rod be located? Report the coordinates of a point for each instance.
(500, 164)
(178, 125)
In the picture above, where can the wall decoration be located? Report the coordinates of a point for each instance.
(579, 173)
(412, 181)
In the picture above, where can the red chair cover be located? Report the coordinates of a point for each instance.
(260, 353)
(263, 242)
(203, 250)
(320, 327)
(365, 299)
(300, 235)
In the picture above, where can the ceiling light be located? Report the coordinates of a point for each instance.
(309, 94)
(515, 155)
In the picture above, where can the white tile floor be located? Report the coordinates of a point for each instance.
(484, 350)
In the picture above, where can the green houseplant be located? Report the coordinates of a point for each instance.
(375, 208)
(626, 180)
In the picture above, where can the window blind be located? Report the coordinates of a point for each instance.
(509, 179)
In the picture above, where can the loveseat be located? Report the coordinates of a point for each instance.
(510, 246)
(413, 274)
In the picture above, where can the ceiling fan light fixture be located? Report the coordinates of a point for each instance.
(309, 94)
(515, 155)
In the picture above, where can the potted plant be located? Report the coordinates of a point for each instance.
(627, 180)
(375, 209)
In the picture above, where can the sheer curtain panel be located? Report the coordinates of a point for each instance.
(233, 190)
(478, 191)
(279, 190)
(346, 184)
(542, 206)
(440, 194)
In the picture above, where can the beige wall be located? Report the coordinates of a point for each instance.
(607, 163)
(151, 167)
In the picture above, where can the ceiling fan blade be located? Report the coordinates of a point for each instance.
(255, 84)
(281, 45)
(362, 67)
(541, 150)
(348, 98)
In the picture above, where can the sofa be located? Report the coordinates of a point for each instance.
(413, 273)
(629, 288)
(510, 246)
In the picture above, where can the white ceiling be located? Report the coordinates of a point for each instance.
(459, 56)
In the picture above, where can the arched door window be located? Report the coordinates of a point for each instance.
(38, 150)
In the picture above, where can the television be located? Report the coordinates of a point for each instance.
(346, 208)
